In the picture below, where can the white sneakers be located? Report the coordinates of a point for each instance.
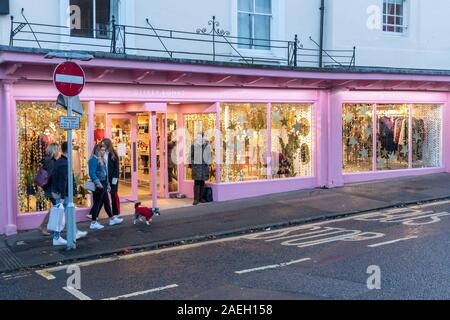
(115, 220)
(81, 234)
(112, 222)
(59, 242)
(96, 226)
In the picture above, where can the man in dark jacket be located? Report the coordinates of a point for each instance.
(201, 159)
(60, 189)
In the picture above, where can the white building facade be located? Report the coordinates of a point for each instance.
(386, 33)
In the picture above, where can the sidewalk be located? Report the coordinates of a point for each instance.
(206, 221)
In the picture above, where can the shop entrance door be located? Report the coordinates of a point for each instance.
(131, 136)
(122, 130)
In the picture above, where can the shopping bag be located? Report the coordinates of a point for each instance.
(57, 220)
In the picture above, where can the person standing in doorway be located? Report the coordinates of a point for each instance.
(60, 190)
(201, 159)
(48, 163)
(112, 165)
(99, 175)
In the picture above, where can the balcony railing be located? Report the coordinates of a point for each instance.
(209, 43)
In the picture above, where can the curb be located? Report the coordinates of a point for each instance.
(219, 235)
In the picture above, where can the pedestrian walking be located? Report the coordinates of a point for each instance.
(48, 163)
(60, 190)
(99, 175)
(201, 159)
(112, 165)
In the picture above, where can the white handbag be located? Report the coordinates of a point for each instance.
(90, 186)
(57, 219)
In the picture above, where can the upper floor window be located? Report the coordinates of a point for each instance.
(254, 24)
(92, 18)
(394, 16)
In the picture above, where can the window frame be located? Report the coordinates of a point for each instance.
(95, 31)
(403, 16)
(253, 14)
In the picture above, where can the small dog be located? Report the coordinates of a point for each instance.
(141, 213)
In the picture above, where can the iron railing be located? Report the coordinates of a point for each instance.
(209, 43)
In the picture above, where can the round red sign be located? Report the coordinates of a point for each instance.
(69, 79)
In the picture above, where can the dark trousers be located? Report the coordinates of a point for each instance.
(115, 201)
(200, 183)
(101, 199)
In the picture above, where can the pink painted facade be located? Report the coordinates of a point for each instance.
(203, 90)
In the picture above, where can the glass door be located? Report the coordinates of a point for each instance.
(122, 130)
(143, 139)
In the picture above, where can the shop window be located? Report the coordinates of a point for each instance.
(244, 142)
(395, 138)
(291, 133)
(426, 136)
(357, 138)
(37, 127)
(193, 124)
(392, 137)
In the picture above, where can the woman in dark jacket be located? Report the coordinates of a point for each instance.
(112, 164)
(48, 163)
(201, 159)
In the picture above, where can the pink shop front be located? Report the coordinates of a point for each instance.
(271, 131)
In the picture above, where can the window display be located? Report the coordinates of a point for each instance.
(291, 133)
(244, 142)
(193, 124)
(426, 136)
(393, 137)
(37, 127)
(357, 137)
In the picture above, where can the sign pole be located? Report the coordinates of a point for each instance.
(69, 80)
(71, 220)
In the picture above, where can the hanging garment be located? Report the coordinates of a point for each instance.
(386, 134)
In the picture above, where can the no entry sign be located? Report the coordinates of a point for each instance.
(69, 79)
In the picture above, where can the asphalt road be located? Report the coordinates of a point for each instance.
(392, 254)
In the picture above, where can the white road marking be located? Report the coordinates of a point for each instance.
(273, 266)
(46, 273)
(390, 242)
(139, 293)
(69, 79)
(78, 294)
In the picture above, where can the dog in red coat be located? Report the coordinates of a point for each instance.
(141, 213)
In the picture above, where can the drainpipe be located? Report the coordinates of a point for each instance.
(322, 13)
